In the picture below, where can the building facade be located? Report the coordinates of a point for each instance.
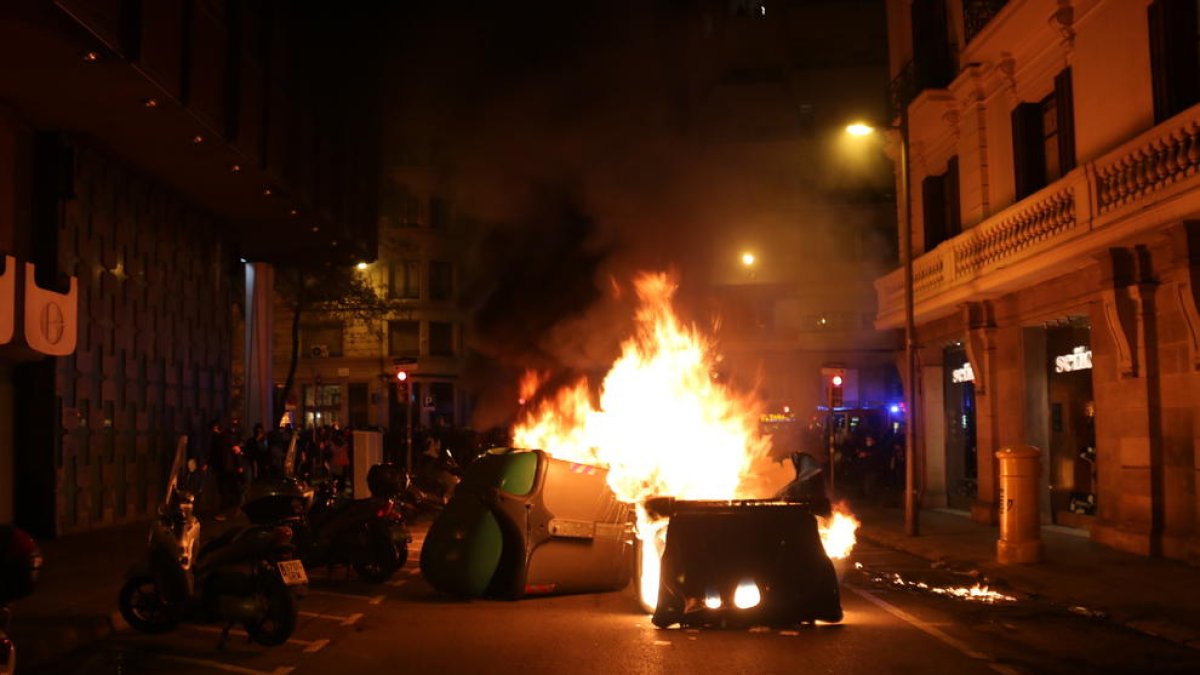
(348, 364)
(1054, 197)
(147, 150)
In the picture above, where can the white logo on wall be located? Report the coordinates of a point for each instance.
(1080, 359)
(961, 375)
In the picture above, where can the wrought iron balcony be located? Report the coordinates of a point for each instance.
(977, 14)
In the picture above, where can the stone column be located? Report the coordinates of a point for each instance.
(260, 384)
(1128, 408)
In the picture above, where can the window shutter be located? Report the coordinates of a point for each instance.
(953, 207)
(1064, 98)
(1029, 165)
(933, 213)
(1173, 59)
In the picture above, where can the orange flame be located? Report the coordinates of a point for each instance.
(664, 425)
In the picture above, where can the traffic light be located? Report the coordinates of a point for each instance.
(835, 390)
(402, 385)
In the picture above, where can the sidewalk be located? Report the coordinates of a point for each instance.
(75, 601)
(1150, 595)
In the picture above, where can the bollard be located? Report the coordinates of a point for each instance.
(1020, 519)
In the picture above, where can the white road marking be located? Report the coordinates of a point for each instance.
(309, 645)
(398, 582)
(345, 620)
(371, 599)
(932, 630)
(281, 670)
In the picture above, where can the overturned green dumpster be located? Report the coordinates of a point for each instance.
(523, 523)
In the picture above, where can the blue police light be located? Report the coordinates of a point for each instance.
(894, 409)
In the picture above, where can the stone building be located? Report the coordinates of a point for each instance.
(147, 151)
(1054, 193)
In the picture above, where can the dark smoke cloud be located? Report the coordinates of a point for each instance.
(571, 129)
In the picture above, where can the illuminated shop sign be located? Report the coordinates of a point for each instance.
(1079, 359)
(961, 375)
(48, 319)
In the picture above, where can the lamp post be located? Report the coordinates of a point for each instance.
(911, 512)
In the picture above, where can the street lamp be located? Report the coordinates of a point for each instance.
(911, 517)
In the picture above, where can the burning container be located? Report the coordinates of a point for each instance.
(523, 523)
(744, 563)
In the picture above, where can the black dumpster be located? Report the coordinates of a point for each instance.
(524, 523)
(743, 563)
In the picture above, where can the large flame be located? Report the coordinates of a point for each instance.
(664, 424)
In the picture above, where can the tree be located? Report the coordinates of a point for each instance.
(328, 290)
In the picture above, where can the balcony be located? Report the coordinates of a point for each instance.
(977, 14)
(1132, 190)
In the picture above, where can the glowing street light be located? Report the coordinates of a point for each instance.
(748, 259)
(361, 266)
(860, 129)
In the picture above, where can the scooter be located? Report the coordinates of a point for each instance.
(244, 576)
(431, 486)
(368, 535)
(20, 564)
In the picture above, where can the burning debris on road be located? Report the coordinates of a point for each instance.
(664, 426)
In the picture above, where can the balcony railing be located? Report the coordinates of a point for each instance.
(977, 14)
(1028, 240)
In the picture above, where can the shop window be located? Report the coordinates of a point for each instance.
(441, 338)
(1174, 56)
(1044, 138)
(321, 340)
(441, 280)
(404, 338)
(322, 404)
(404, 282)
(942, 215)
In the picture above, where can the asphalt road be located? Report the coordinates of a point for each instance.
(897, 621)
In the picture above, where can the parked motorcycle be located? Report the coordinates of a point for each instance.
(20, 564)
(244, 576)
(368, 534)
(431, 486)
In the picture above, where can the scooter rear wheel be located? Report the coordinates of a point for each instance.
(143, 607)
(384, 557)
(278, 624)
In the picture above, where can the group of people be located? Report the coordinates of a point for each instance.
(233, 463)
(869, 465)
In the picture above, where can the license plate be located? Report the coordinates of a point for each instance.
(292, 572)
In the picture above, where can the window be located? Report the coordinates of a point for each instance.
(439, 213)
(1044, 138)
(405, 281)
(942, 216)
(1174, 56)
(933, 58)
(748, 8)
(321, 340)
(441, 338)
(322, 405)
(441, 280)
(404, 338)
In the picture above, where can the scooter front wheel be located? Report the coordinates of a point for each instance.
(143, 607)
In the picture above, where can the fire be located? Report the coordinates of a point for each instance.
(837, 532)
(663, 424)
